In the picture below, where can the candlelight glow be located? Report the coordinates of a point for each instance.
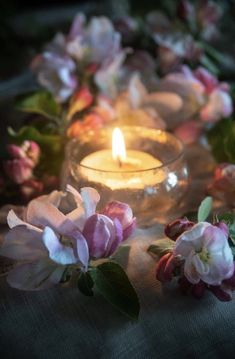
(118, 146)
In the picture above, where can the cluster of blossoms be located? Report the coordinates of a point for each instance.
(184, 101)
(177, 41)
(90, 71)
(89, 50)
(46, 242)
(200, 257)
(205, 97)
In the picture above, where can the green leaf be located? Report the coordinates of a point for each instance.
(85, 284)
(221, 139)
(41, 103)
(161, 247)
(204, 209)
(112, 282)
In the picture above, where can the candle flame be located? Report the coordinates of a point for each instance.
(118, 146)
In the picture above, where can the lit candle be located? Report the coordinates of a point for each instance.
(119, 169)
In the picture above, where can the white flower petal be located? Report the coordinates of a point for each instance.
(90, 199)
(39, 275)
(22, 243)
(58, 252)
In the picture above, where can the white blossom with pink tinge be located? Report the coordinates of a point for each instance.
(46, 240)
(206, 252)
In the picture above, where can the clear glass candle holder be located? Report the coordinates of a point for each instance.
(152, 193)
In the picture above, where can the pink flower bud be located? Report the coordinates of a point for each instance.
(103, 235)
(122, 212)
(80, 101)
(165, 268)
(28, 149)
(174, 229)
(18, 170)
(189, 132)
(92, 121)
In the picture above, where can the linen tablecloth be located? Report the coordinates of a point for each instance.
(62, 323)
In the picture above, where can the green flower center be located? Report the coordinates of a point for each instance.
(204, 255)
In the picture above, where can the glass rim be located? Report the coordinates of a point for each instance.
(164, 165)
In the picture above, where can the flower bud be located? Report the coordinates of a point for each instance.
(18, 170)
(102, 235)
(122, 212)
(174, 229)
(165, 268)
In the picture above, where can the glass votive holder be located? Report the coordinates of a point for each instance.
(152, 193)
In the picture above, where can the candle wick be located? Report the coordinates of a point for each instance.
(119, 162)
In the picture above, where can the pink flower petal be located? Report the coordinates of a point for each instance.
(97, 233)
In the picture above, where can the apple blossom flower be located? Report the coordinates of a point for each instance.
(108, 76)
(94, 42)
(202, 93)
(207, 254)
(55, 70)
(46, 240)
(218, 106)
(56, 74)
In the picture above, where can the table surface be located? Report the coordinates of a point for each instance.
(62, 323)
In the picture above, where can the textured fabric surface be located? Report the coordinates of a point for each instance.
(61, 323)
